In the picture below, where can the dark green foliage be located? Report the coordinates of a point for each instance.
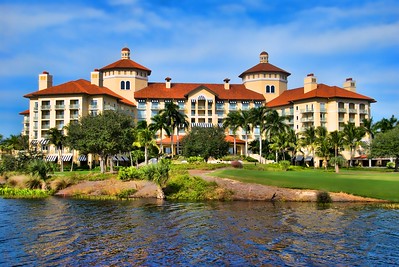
(126, 193)
(284, 165)
(185, 187)
(196, 159)
(130, 173)
(40, 168)
(386, 144)
(158, 173)
(34, 183)
(323, 197)
(205, 142)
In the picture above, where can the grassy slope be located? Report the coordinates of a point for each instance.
(379, 185)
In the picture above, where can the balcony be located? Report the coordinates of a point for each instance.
(45, 126)
(26, 119)
(363, 111)
(74, 106)
(341, 119)
(342, 110)
(323, 110)
(311, 119)
(36, 108)
(45, 107)
(352, 110)
(201, 107)
(74, 116)
(59, 106)
(352, 120)
(59, 117)
(323, 119)
(45, 117)
(309, 110)
(108, 107)
(93, 107)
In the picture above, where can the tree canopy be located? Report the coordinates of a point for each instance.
(387, 145)
(205, 142)
(105, 134)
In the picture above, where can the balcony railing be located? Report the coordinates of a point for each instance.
(341, 119)
(109, 107)
(309, 110)
(352, 110)
(342, 110)
(323, 119)
(60, 106)
(74, 117)
(311, 119)
(363, 111)
(59, 117)
(45, 126)
(74, 106)
(324, 110)
(201, 108)
(45, 117)
(45, 107)
(93, 107)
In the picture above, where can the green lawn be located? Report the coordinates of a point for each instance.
(381, 185)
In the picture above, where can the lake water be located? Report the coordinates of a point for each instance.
(67, 232)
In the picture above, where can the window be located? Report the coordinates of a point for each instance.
(127, 85)
(122, 85)
(267, 88)
(272, 89)
(245, 106)
(141, 105)
(233, 106)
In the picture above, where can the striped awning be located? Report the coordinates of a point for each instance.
(309, 158)
(44, 141)
(51, 157)
(66, 157)
(34, 142)
(202, 124)
(299, 158)
(82, 158)
(125, 158)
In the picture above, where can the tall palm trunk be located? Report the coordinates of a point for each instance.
(260, 148)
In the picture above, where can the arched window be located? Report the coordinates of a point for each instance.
(272, 89)
(127, 85)
(122, 85)
(267, 88)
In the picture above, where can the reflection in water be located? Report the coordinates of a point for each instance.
(69, 232)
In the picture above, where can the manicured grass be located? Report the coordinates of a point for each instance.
(381, 185)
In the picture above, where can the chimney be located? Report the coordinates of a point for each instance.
(350, 85)
(96, 78)
(45, 80)
(310, 83)
(226, 83)
(168, 83)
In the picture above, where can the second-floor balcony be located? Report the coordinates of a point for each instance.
(45, 107)
(93, 107)
(74, 106)
(307, 110)
(352, 110)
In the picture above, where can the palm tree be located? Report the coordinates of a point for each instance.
(308, 139)
(352, 136)
(175, 119)
(387, 124)
(275, 123)
(57, 138)
(336, 140)
(145, 138)
(259, 118)
(245, 124)
(322, 144)
(159, 124)
(232, 121)
(369, 127)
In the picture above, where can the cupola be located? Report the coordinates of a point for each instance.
(125, 53)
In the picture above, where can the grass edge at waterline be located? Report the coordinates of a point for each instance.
(378, 185)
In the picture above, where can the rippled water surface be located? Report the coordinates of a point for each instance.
(65, 232)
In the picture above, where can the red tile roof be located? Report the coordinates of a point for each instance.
(263, 67)
(80, 86)
(126, 64)
(25, 112)
(181, 90)
(230, 139)
(322, 91)
(167, 139)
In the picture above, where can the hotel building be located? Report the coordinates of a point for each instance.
(124, 85)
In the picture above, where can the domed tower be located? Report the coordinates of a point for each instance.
(265, 78)
(124, 76)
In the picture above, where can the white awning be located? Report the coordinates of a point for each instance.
(66, 157)
(51, 157)
(82, 158)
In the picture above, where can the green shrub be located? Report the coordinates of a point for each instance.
(126, 193)
(34, 183)
(284, 165)
(186, 187)
(250, 159)
(195, 160)
(130, 173)
(323, 197)
(62, 183)
(7, 192)
(340, 161)
(232, 157)
(391, 165)
(40, 168)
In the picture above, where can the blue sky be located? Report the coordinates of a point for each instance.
(200, 41)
